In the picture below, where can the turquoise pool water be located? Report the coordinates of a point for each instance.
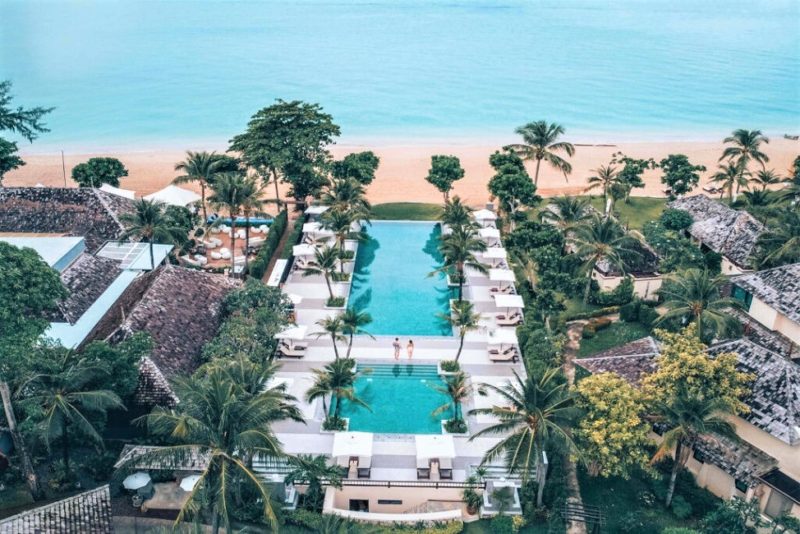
(391, 280)
(401, 398)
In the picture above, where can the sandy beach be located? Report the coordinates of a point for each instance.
(401, 176)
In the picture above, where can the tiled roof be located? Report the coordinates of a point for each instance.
(85, 212)
(85, 279)
(774, 399)
(181, 312)
(644, 261)
(778, 287)
(85, 513)
(730, 232)
(737, 458)
(761, 335)
(631, 361)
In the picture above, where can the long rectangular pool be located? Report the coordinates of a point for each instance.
(391, 280)
(401, 398)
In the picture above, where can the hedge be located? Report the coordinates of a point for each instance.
(286, 253)
(259, 265)
(314, 521)
(594, 313)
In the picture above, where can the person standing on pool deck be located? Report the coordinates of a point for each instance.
(410, 349)
(396, 346)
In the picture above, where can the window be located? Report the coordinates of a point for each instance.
(699, 456)
(390, 501)
(741, 485)
(743, 296)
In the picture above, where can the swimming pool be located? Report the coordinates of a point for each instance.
(391, 280)
(401, 397)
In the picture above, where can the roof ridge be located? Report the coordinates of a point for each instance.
(618, 356)
(99, 195)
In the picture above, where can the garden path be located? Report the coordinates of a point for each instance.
(574, 331)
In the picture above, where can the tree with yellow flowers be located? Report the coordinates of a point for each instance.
(612, 436)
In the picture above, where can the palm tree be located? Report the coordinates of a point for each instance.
(456, 214)
(536, 413)
(766, 178)
(791, 192)
(695, 295)
(67, 402)
(31, 477)
(746, 147)
(458, 388)
(324, 264)
(458, 249)
(149, 223)
(340, 223)
(730, 175)
(541, 143)
(333, 327)
(219, 421)
(312, 471)
(463, 318)
(601, 239)
(760, 198)
(605, 177)
(200, 167)
(353, 322)
(349, 195)
(780, 244)
(567, 212)
(689, 417)
(252, 201)
(337, 379)
(229, 192)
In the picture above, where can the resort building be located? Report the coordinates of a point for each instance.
(85, 513)
(772, 297)
(731, 233)
(641, 267)
(765, 463)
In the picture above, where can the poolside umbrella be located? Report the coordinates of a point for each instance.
(293, 333)
(136, 481)
(502, 275)
(435, 447)
(188, 483)
(485, 215)
(174, 196)
(316, 210)
(296, 299)
(495, 253)
(502, 336)
(490, 234)
(350, 444)
(508, 302)
(316, 228)
(304, 250)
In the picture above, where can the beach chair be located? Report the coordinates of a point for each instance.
(504, 290)
(445, 474)
(508, 355)
(363, 472)
(423, 473)
(512, 320)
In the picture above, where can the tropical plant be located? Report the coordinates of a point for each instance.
(746, 147)
(334, 328)
(444, 171)
(780, 244)
(312, 471)
(353, 322)
(760, 198)
(536, 413)
(349, 196)
(567, 212)
(359, 165)
(458, 388)
(337, 379)
(601, 239)
(25, 122)
(98, 171)
(226, 425)
(200, 167)
(695, 295)
(339, 222)
(541, 144)
(458, 248)
(765, 178)
(604, 177)
(629, 176)
(731, 175)
(688, 417)
(463, 318)
(791, 192)
(149, 223)
(325, 262)
(252, 201)
(679, 174)
(9, 160)
(456, 214)
(512, 186)
(67, 403)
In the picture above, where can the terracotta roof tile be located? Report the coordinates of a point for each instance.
(85, 513)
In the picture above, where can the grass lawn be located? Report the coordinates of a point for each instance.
(14, 497)
(576, 305)
(406, 211)
(639, 211)
(615, 335)
(484, 527)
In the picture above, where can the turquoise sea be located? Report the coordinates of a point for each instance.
(176, 72)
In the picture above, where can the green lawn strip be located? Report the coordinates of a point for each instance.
(639, 211)
(615, 335)
(576, 305)
(15, 497)
(406, 211)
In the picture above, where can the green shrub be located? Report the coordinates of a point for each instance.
(306, 519)
(680, 507)
(647, 315)
(258, 267)
(502, 524)
(622, 294)
(334, 423)
(450, 366)
(598, 323)
(594, 313)
(588, 333)
(673, 219)
(455, 426)
(680, 530)
(630, 311)
(335, 302)
(297, 229)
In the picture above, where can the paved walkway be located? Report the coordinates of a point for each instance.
(281, 244)
(574, 332)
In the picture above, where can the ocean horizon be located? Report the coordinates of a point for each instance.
(174, 74)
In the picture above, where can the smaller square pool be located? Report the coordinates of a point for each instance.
(401, 397)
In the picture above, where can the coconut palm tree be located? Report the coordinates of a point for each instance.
(463, 318)
(353, 322)
(221, 422)
(349, 195)
(458, 249)
(766, 178)
(149, 223)
(696, 296)
(567, 212)
(459, 389)
(333, 327)
(689, 417)
(20, 447)
(200, 167)
(535, 413)
(746, 147)
(324, 264)
(337, 379)
(340, 223)
(760, 198)
(780, 244)
(601, 239)
(605, 176)
(229, 190)
(66, 402)
(456, 214)
(252, 201)
(730, 175)
(311, 471)
(541, 143)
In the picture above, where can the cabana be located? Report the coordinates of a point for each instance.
(505, 281)
(485, 218)
(316, 230)
(435, 453)
(490, 235)
(495, 254)
(304, 250)
(353, 450)
(316, 211)
(174, 196)
(509, 302)
(124, 193)
(506, 341)
(291, 341)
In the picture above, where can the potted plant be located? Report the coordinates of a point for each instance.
(472, 498)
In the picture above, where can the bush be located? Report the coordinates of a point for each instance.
(622, 294)
(594, 313)
(335, 302)
(450, 366)
(297, 229)
(647, 315)
(630, 311)
(591, 328)
(455, 426)
(680, 530)
(306, 519)
(258, 267)
(502, 524)
(334, 424)
(680, 507)
(673, 219)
